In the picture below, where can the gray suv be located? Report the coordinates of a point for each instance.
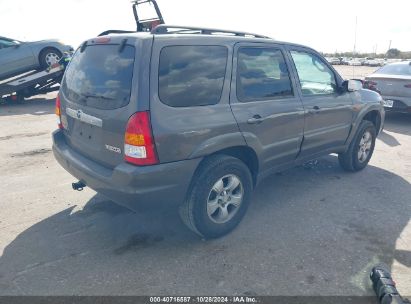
(198, 117)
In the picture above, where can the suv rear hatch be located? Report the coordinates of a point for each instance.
(98, 95)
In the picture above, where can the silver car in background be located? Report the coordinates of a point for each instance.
(393, 82)
(17, 57)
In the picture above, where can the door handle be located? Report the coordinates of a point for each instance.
(256, 119)
(314, 110)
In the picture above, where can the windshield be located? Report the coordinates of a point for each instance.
(396, 69)
(4, 42)
(100, 76)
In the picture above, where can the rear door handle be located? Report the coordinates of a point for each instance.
(256, 119)
(314, 110)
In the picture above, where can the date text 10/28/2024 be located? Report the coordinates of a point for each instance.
(204, 299)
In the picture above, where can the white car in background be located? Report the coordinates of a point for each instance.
(393, 82)
(371, 62)
(354, 62)
(333, 60)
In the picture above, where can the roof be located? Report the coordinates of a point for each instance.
(166, 32)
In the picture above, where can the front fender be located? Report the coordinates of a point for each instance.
(365, 101)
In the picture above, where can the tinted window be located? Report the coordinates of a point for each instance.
(262, 74)
(192, 75)
(100, 76)
(6, 43)
(396, 69)
(315, 76)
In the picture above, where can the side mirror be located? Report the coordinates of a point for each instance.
(354, 85)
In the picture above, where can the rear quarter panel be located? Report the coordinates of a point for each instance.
(37, 46)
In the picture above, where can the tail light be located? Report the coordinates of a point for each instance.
(371, 85)
(102, 40)
(139, 148)
(408, 86)
(58, 112)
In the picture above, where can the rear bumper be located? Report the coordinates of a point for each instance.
(401, 104)
(126, 184)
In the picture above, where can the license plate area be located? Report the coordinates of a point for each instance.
(388, 103)
(87, 134)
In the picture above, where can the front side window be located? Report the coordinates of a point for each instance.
(192, 75)
(316, 78)
(262, 74)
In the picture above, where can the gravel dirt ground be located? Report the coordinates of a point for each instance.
(354, 72)
(312, 230)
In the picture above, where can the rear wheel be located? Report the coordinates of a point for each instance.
(49, 56)
(361, 148)
(218, 198)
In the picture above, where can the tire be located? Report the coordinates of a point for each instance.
(351, 160)
(213, 188)
(47, 56)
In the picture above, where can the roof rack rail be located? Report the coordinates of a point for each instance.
(176, 29)
(115, 32)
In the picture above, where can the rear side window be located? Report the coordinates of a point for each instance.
(100, 76)
(192, 75)
(262, 74)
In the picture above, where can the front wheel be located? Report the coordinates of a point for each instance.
(218, 198)
(361, 148)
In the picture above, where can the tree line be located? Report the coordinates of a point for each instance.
(391, 53)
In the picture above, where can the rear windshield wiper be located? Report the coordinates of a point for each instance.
(96, 96)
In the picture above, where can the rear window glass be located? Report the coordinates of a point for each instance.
(396, 69)
(192, 75)
(100, 76)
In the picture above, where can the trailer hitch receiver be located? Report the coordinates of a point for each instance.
(78, 186)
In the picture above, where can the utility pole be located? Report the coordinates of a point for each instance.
(389, 45)
(355, 46)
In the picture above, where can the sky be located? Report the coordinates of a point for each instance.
(327, 26)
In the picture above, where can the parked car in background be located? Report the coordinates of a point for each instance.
(382, 61)
(355, 62)
(371, 62)
(199, 119)
(17, 57)
(393, 81)
(335, 61)
(361, 60)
